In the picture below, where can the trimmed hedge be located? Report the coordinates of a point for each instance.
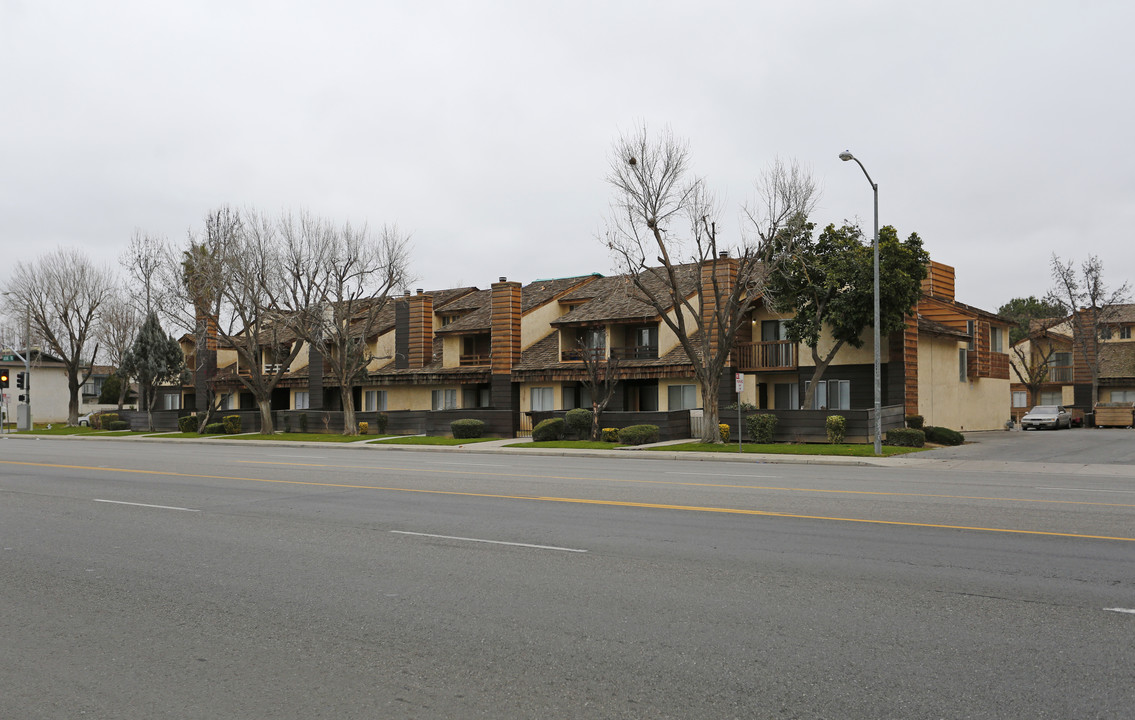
(187, 423)
(363, 428)
(578, 422)
(380, 423)
(467, 428)
(724, 430)
(905, 437)
(836, 425)
(117, 425)
(944, 436)
(214, 429)
(609, 435)
(548, 430)
(102, 421)
(639, 434)
(231, 424)
(762, 427)
(914, 422)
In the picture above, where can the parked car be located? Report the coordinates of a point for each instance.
(85, 420)
(1047, 416)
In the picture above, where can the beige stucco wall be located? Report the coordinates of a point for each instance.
(664, 390)
(226, 357)
(537, 322)
(450, 351)
(667, 339)
(847, 354)
(946, 401)
(301, 360)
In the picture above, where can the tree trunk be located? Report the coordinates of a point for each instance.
(123, 387)
(710, 432)
(595, 421)
(150, 410)
(265, 405)
(72, 401)
(821, 368)
(350, 427)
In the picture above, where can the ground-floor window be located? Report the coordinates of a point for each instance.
(1020, 399)
(641, 397)
(1050, 397)
(682, 397)
(476, 397)
(374, 400)
(831, 395)
(576, 396)
(171, 402)
(1123, 396)
(444, 399)
(786, 396)
(302, 400)
(227, 401)
(542, 399)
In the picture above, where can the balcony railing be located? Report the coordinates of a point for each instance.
(269, 369)
(577, 354)
(767, 356)
(635, 352)
(476, 359)
(1059, 373)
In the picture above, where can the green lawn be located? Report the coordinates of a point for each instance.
(300, 437)
(846, 450)
(183, 435)
(570, 444)
(59, 429)
(427, 440)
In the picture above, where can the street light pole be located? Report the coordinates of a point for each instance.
(845, 156)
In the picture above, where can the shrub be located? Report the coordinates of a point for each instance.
(187, 423)
(303, 422)
(914, 422)
(467, 428)
(762, 427)
(724, 431)
(117, 425)
(102, 421)
(363, 427)
(550, 429)
(638, 434)
(905, 437)
(231, 424)
(578, 423)
(944, 436)
(380, 423)
(214, 429)
(836, 426)
(745, 406)
(610, 435)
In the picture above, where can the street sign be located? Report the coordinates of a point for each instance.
(740, 382)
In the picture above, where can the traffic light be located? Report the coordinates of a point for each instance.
(21, 380)
(3, 378)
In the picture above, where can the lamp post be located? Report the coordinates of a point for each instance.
(845, 156)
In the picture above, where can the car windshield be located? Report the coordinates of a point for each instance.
(1044, 410)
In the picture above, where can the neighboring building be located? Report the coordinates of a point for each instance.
(1067, 380)
(519, 348)
(48, 386)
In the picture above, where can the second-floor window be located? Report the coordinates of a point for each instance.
(971, 328)
(996, 339)
(1125, 332)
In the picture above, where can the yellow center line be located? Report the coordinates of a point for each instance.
(579, 501)
(529, 476)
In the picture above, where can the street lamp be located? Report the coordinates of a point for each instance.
(845, 156)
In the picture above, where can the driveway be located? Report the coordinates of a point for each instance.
(1082, 446)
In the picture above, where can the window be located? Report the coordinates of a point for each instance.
(476, 397)
(374, 401)
(1105, 332)
(963, 360)
(683, 397)
(996, 339)
(302, 400)
(1020, 399)
(444, 399)
(1125, 332)
(1123, 396)
(171, 402)
(786, 396)
(831, 395)
(972, 330)
(1050, 397)
(542, 399)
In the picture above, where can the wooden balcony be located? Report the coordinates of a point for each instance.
(772, 356)
(1059, 374)
(473, 360)
(576, 354)
(635, 352)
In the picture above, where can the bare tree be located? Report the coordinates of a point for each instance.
(1090, 305)
(64, 293)
(116, 330)
(143, 260)
(1031, 367)
(338, 280)
(664, 218)
(601, 377)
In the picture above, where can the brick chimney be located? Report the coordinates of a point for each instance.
(421, 329)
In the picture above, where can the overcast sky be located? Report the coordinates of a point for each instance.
(1001, 132)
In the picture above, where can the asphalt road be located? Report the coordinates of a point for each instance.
(189, 581)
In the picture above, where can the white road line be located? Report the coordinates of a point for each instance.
(697, 474)
(1129, 611)
(160, 507)
(1084, 490)
(491, 542)
(467, 464)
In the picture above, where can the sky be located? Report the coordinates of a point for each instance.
(999, 131)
